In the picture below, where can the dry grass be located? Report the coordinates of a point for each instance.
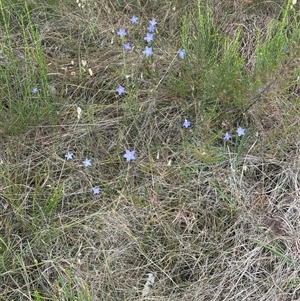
(211, 220)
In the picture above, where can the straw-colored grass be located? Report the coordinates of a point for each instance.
(210, 219)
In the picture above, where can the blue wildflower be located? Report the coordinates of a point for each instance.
(227, 136)
(69, 156)
(149, 37)
(120, 90)
(151, 28)
(129, 155)
(121, 32)
(35, 90)
(134, 19)
(186, 123)
(148, 51)
(181, 53)
(96, 190)
(153, 22)
(240, 131)
(127, 46)
(87, 162)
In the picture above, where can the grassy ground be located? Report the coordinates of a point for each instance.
(202, 212)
